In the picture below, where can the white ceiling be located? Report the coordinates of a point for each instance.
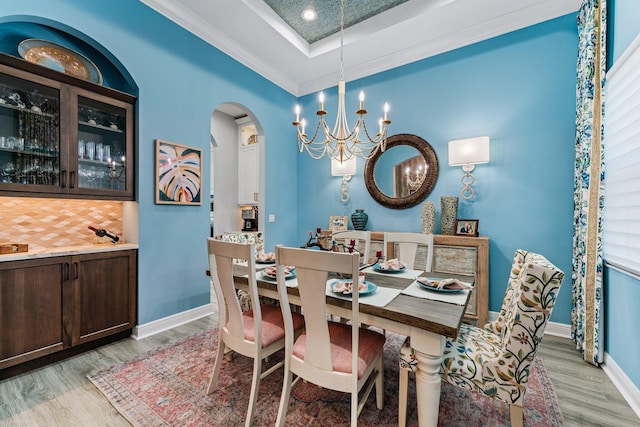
(253, 34)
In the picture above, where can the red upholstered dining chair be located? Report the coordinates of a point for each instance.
(333, 355)
(257, 332)
(406, 247)
(361, 238)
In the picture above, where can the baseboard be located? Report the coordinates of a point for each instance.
(627, 388)
(169, 322)
(553, 328)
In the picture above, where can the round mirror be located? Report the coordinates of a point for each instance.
(404, 174)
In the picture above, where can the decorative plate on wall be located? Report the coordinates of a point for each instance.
(59, 58)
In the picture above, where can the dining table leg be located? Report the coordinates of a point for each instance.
(428, 351)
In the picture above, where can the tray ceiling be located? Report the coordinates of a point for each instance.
(269, 36)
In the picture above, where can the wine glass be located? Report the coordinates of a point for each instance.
(113, 120)
(36, 100)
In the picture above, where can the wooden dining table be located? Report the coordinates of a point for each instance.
(426, 321)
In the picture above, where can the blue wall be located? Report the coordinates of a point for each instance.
(181, 80)
(520, 90)
(621, 291)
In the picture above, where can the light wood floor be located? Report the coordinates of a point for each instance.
(61, 395)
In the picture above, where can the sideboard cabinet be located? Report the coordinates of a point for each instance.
(461, 255)
(50, 305)
(61, 136)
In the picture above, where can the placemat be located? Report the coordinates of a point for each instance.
(381, 297)
(416, 290)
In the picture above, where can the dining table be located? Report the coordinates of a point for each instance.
(427, 317)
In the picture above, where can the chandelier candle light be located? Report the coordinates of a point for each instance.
(342, 143)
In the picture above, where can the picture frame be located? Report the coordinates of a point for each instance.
(178, 174)
(467, 227)
(338, 223)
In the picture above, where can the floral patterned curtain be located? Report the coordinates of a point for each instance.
(587, 310)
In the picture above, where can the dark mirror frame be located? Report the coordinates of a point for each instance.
(426, 150)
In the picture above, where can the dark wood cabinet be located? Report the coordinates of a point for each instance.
(63, 136)
(53, 304)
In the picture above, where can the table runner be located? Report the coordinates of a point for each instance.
(415, 290)
(380, 298)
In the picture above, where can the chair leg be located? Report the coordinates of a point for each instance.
(284, 398)
(402, 397)
(380, 384)
(517, 417)
(213, 382)
(255, 386)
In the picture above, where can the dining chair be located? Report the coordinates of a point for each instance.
(333, 355)
(258, 332)
(406, 247)
(496, 360)
(362, 240)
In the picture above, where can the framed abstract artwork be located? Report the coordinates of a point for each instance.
(178, 174)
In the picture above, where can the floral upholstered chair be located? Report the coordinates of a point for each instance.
(496, 360)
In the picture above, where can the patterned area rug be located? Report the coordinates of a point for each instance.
(166, 387)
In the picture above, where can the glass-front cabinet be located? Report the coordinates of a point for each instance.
(29, 133)
(103, 158)
(61, 136)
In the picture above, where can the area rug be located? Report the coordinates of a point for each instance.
(166, 387)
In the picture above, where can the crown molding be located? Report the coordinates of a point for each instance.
(407, 33)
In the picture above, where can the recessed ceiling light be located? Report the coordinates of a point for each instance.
(309, 14)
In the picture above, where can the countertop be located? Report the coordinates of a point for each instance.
(67, 250)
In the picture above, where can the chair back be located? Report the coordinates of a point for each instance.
(312, 271)
(406, 247)
(221, 256)
(527, 307)
(362, 240)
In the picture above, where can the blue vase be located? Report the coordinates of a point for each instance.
(359, 219)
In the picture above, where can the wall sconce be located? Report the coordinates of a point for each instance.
(344, 169)
(468, 153)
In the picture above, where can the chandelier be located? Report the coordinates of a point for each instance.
(342, 143)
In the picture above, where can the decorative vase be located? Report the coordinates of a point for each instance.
(359, 219)
(428, 217)
(448, 214)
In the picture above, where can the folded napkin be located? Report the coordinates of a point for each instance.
(444, 283)
(415, 290)
(380, 298)
(392, 264)
(269, 256)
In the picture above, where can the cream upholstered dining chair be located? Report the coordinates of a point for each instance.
(362, 240)
(338, 356)
(406, 247)
(257, 332)
(496, 360)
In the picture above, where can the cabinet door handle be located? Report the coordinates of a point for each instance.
(63, 178)
(66, 271)
(75, 270)
(72, 179)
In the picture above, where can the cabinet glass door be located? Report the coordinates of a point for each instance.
(102, 145)
(29, 134)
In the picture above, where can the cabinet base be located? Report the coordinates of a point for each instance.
(12, 371)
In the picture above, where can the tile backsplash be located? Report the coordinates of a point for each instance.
(47, 223)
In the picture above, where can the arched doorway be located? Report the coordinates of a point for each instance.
(229, 168)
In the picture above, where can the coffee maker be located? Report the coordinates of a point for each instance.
(250, 219)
